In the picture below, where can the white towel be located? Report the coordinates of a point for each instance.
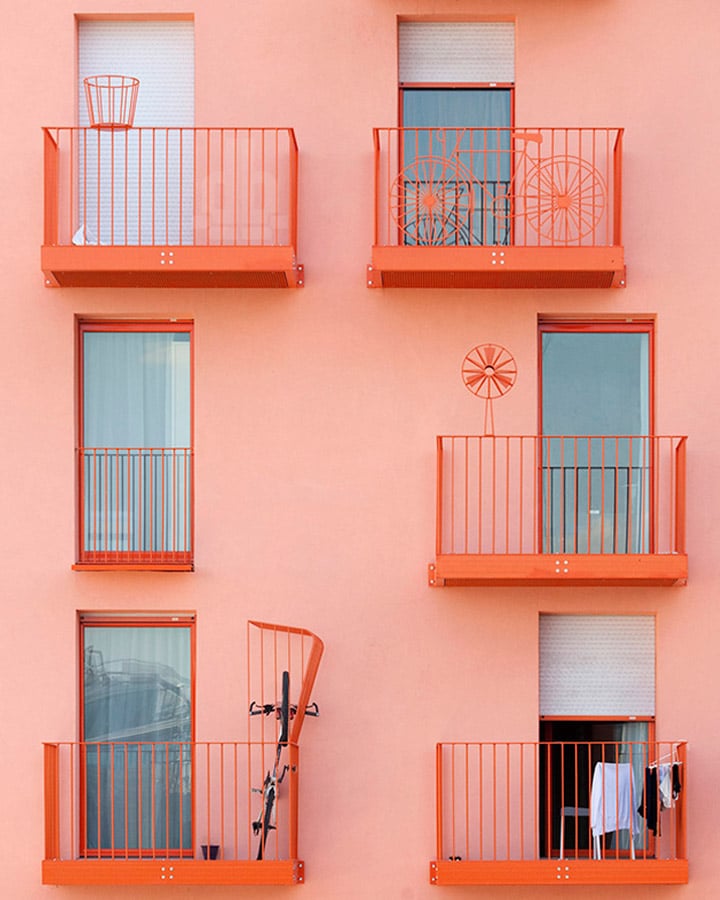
(612, 799)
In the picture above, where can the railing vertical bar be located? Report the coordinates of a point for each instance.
(507, 494)
(262, 185)
(126, 187)
(480, 443)
(467, 851)
(588, 515)
(453, 801)
(494, 495)
(466, 498)
(507, 801)
(208, 799)
(126, 798)
(495, 809)
(141, 753)
(629, 500)
(603, 446)
(153, 799)
(521, 488)
(235, 188)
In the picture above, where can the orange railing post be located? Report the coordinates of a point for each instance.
(680, 494)
(617, 189)
(51, 786)
(439, 799)
(50, 145)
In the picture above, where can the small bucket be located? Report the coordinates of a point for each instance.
(111, 100)
(210, 851)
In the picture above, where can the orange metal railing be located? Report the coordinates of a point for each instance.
(159, 800)
(560, 494)
(529, 187)
(522, 802)
(135, 504)
(195, 187)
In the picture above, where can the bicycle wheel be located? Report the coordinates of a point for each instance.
(563, 198)
(431, 202)
(265, 822)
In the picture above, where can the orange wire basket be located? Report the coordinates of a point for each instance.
(111, 100)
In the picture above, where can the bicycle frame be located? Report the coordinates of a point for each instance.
(438, 194)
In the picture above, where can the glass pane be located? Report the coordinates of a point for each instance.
(456, 148)
(136, 389)
(595, 383)
(137, 723)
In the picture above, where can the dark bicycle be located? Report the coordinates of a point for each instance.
(285, 712)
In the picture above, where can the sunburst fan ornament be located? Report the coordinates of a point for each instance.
(489, 371)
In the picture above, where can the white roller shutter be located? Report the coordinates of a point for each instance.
(597, 665)
(457, 52)
(160, 53)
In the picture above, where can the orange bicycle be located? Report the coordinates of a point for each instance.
(456, 195)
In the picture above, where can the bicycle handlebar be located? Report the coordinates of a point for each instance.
(267, 709)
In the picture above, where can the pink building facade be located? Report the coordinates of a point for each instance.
(364, 353)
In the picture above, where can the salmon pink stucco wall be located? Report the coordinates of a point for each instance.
(316, 412)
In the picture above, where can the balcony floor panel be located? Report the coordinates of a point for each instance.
(568, 570)
(560, 871)
(172, 871)
(171, 267)
(497, 267)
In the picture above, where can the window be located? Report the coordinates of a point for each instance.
(597, 707)
(456, 108)
(136, 701)
(135, 446)
(596, 422)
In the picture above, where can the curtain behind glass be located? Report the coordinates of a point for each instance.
(136, 389)
(596, 491)
(464, 125)
(137, 725)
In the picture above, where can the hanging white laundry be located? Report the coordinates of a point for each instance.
(613, 800)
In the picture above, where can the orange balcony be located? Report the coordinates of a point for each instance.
(498, 208)
(559, 510)
(146, 813)
(186, 812)
(171, 207)
(561, 813)
(135, 508)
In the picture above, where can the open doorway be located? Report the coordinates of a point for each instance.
(583, 813)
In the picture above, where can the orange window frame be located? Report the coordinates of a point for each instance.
(134, 620)
(613, 325)
(86, 326)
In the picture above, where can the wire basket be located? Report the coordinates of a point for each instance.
(111, 100)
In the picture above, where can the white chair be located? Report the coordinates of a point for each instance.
(570, 812)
